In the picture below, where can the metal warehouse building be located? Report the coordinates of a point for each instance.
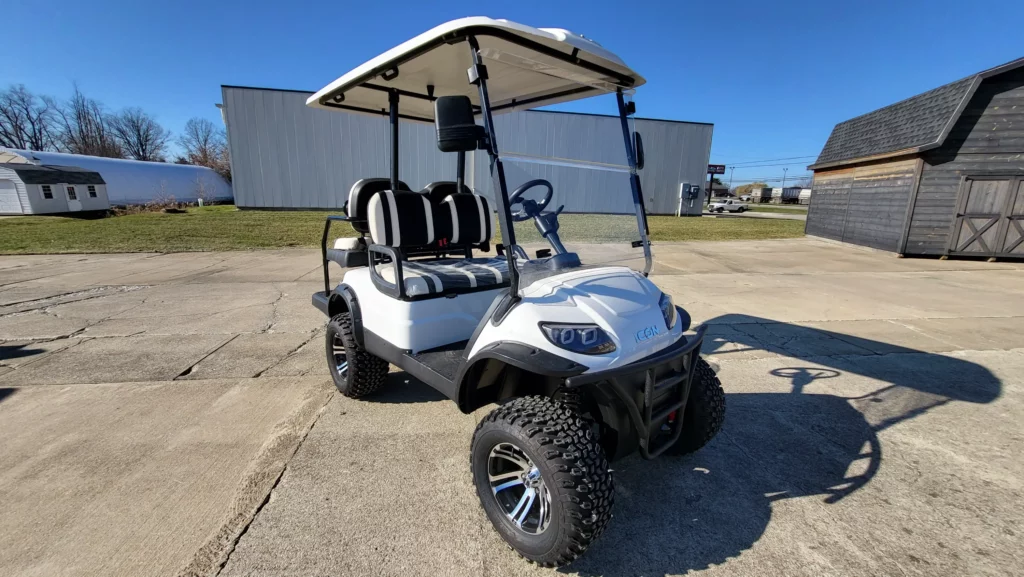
(941, 173)
(287, 155)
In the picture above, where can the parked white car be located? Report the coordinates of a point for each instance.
(727, 205)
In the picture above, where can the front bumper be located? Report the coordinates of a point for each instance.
(652, 390)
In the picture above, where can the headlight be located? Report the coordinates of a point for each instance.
(668, 310)
(585, 339)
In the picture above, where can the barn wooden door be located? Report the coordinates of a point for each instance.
(979, 226)
(1013, 226)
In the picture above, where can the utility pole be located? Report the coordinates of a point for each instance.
(731, 168)
(784, 176)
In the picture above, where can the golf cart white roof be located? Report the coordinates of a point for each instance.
(527, 67)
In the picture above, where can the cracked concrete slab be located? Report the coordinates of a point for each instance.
(306, 360)
(111, 360)
(142, 479)
(871, 428)
(38, 325)
(17, 353)
(247, 355)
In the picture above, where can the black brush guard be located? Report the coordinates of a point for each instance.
(652, 389)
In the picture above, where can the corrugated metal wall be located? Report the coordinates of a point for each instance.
(286, 155)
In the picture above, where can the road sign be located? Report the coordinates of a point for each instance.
(716, 169)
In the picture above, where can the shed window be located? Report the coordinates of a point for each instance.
(72, 195)
(47, 192)
(92, 191)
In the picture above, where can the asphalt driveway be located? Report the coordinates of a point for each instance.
(170, 414)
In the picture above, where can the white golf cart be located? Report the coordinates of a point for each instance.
(587, 360)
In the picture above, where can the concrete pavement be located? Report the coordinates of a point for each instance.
(170, 414)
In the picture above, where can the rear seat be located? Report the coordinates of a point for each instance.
(407, 221)
(351, 252)
(438, 191)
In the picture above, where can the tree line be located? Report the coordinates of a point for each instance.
(82, 125)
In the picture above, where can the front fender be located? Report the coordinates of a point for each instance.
(517, 355)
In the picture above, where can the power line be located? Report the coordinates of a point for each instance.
(763, 165)
(737, 164)
(777, 175)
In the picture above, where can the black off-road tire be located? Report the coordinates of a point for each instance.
(572, 464)
(705, 411)
(366, 372)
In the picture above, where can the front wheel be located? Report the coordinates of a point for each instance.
(542, 479)
(705, 410)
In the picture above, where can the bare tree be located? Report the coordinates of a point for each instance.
(85, 128)
(139, 134)
(27, 121)
(206, 145)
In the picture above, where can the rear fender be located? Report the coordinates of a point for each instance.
(343, 300)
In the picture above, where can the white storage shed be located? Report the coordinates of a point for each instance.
(134, 181)
(40, 189)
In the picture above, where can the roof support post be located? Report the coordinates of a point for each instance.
(478, 76)
(634, 183)
(460, 176)
(393, 105)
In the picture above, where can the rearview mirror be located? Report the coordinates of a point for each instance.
(639, 151)
(457, 131)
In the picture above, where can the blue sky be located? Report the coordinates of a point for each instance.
(774, 77)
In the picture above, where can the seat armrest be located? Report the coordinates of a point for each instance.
(348, 258)
(377, 252)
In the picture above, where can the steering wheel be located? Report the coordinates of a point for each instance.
(529, 208)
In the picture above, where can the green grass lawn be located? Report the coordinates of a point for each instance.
(226, 228)
(776, 208)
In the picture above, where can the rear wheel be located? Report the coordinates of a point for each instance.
(704, 413)
(354, 371)
(542, 479)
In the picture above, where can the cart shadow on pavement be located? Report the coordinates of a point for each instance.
(6, 392)
(401, 387)
(8, 352)
(816, 437)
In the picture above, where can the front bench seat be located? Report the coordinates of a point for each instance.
(449, 276)
(406, 221)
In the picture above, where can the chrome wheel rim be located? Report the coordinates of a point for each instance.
(340, 358)
(519, 488)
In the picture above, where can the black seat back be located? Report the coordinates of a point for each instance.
(438, 191)
(400, 219)
(358, 197)
(464, 220)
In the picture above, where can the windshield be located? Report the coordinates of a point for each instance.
(583, 158)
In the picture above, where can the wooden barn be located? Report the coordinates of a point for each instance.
(941, 173)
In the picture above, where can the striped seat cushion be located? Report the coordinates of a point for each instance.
(400, 219)
(359, 196)
(466, 218)
(435, 277)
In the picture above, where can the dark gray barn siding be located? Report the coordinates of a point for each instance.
(830, 198)
(866, 205)
(988, 138)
